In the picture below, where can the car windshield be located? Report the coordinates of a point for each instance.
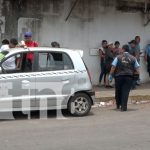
(3, 54)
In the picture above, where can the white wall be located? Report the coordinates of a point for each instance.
(103, 23)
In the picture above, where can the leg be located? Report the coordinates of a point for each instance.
(101, 76)
(126, 87)
(118, 92)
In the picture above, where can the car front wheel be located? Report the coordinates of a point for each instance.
(80, 104)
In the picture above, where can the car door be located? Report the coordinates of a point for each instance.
(17, 84)
(54, 79)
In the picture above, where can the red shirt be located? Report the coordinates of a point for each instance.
(31, 44)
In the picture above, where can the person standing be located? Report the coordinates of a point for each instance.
(147, 58)
(109, 56)
(137, 48)
(102, 61)
(10, 63)
(117, 50)
(29, 43)
(133, 51)
(5, 45)
(137, 54)
(123, 68)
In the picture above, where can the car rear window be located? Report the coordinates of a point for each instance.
(53, 61)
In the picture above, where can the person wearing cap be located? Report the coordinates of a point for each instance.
(123, 69)
(132, 48)
(29, 43)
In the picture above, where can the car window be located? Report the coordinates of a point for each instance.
(53, 61)
(16, 64)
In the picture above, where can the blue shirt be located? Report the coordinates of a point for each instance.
(114, 63)
(148, 50)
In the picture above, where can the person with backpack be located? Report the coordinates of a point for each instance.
(124, 67)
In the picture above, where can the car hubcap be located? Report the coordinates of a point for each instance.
(81, 105)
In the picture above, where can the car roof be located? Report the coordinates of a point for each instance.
(36, 49)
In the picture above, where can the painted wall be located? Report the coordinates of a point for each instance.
(91, 22)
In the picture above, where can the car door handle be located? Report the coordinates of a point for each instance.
(25, 82)
(65, 79)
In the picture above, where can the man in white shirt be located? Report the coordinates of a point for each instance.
(5, 45)
(10, 63)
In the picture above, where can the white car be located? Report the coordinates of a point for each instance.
(53, 79)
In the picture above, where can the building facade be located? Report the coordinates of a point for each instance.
(78, 24)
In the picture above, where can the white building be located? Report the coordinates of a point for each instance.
(82, 24)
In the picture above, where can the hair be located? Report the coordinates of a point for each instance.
(137, 37)
(104, 41)
(55, 44)
(132, 42)
(117, 42)
(126, 48)
(5, 41)
(14, 41)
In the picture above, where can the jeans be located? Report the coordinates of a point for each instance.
(123, 86)
(102, 74)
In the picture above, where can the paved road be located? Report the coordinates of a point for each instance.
(103, 129)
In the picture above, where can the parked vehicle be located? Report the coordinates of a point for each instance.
(55, 79)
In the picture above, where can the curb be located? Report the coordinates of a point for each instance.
(110, 101)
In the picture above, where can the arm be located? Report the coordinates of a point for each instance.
(137, 68)
(113, 68)
(101, 53)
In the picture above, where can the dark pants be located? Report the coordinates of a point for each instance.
(102, 74)
(123, 86)
(148, 64)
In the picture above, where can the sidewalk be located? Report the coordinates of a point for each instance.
(141, 93)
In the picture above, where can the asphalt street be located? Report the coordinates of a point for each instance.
(103, 129)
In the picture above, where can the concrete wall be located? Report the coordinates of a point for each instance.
(90, 23)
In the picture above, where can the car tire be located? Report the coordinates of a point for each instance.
(80, 105)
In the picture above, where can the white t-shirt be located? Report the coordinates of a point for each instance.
(4, 47)
(9, 64)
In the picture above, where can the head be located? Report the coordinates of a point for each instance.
(137, 39)
(5, 42)
(117, 44)
(13, 43)
(125, 48)
(55, 44)
(132, 44)
(28, 36)
(104, 43)
(110, 45)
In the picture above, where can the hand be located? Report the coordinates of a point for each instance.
(110, 78)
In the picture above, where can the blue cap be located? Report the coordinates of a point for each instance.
(28, 34)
